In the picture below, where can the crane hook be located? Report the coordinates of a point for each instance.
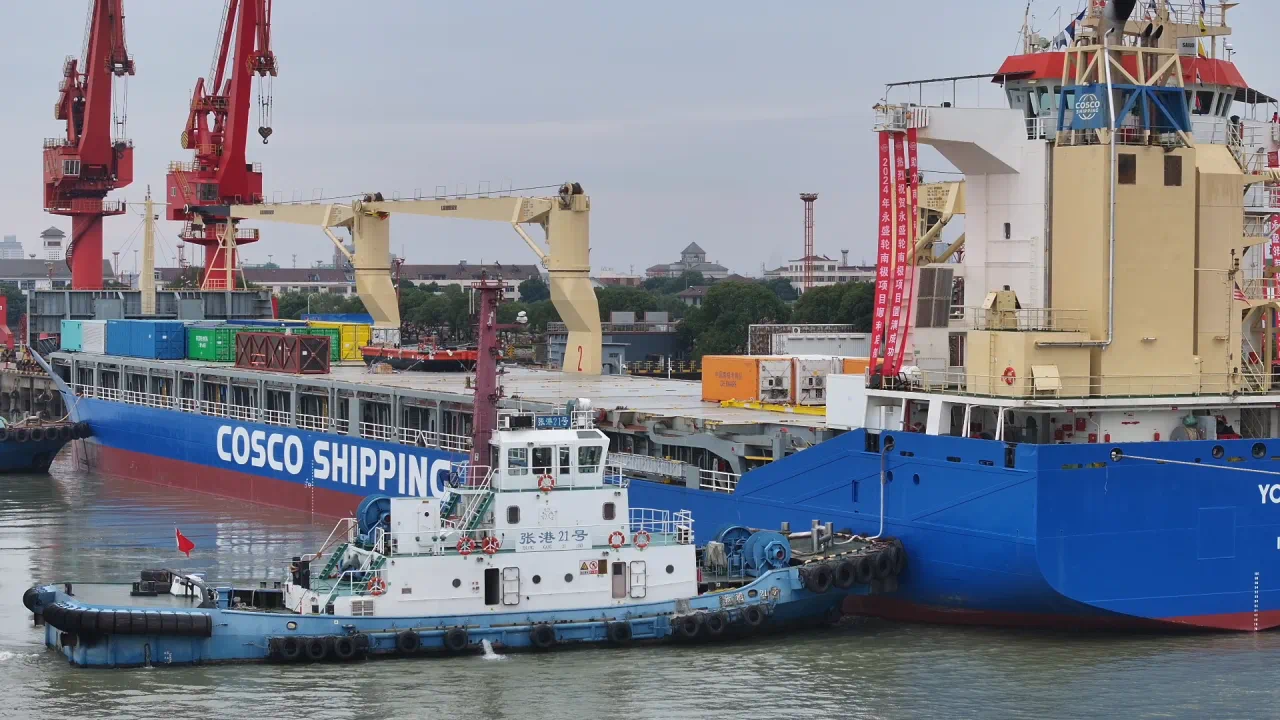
(265, 132)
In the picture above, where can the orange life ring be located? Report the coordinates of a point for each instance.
(466, 546)
(490, 545)
(617, 539)
(377, 586)
(1010, 375)
(546, 483)
(642, 539)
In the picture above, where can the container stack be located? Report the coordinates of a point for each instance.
(277, 352)
(151, 339)
(797, 380)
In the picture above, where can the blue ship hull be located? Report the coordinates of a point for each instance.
(1039, 535)
(1048, 535)
(112, 636)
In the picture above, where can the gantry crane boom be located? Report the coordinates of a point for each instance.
(90, 160)
(217, 131)
(565, 219)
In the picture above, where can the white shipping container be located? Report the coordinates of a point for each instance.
(775, 380)
(93, 338)
(843, 344)
(809, 377)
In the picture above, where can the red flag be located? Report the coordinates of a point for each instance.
(184, 544)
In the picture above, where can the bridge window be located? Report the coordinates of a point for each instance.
(564, 460)
(1128, 169)
(589, 459)
(518, 461)
(542, 461)
(1173, 171)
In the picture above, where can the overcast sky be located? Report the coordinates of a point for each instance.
(685, 120)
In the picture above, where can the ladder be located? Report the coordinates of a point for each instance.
(334, 559)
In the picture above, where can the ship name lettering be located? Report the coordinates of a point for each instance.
(1270, 493)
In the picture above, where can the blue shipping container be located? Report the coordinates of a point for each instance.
(72, 336)
(119, 337)
(351, 318)
(153, 339)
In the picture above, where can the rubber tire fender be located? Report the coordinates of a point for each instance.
(865, 570)
(456, 639)
(542, 636)
(883, 564)
(82, 430)
(408, 641)
(817, 578)
(899, 556)
(4, 434)
(37, 434)
(65, 432)
(844, 574)
(688, 626)
(21, 435)
(290, 649)
(619, 632)
(752, 616)
(715, 623)
(317, 648)
(344, 648)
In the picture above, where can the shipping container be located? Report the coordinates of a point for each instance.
(277, 352)
(809, 378)
(855, 365)
(119, 338)
(353, 337)
(70, 337)
(334, 335)
(212, 344)
(93, 336)
(842, 344)
(746, 378)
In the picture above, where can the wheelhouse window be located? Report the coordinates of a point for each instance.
(518, 461)
(589, 459)
(542, 463)
(565, 458)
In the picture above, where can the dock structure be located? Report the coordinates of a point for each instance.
(656, 427)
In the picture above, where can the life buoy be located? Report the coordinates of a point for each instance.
(617, 539)
(641, 539)
(1010, 376)
(490, 545)
(377, 586)
(546, 483)
(466, 546)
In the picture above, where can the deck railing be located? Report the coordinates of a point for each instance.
(1020, 385)
(718, 481)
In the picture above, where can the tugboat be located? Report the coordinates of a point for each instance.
(29, 446)
(536, 549)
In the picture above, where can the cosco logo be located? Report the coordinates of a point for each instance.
(1088, 106)
(259, 449)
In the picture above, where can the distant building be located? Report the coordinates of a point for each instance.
(37, 274)
(51, 241)
(342, 282)
(692, 259)
(11, 249)
(606, 277)
(694, 296)
(826, 272)
(625, 339)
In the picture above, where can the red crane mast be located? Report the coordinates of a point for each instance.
(217, 130)
(90, 161)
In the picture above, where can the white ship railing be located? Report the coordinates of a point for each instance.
(718, 481)
(648, 464)
(659, 528)
(285, 418)
(1021, 385)
(1027, 319)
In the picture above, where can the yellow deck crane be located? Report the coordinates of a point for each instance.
(564, 218)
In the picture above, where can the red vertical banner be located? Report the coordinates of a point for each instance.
(892, 354)
(884, 250)
(1272, 291)
(909, 234)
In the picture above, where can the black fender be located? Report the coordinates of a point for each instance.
(542, 636)
(456, 639)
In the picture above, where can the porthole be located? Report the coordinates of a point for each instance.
(753, 593)
(1259, 451)
(537, 579)
(671, 569)
(568, 577)
(292, 625)
(916, 478)
(1218, 452)
(457, 582)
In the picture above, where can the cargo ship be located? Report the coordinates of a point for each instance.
(1070, 420)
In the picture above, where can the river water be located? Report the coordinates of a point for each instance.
(73, 525)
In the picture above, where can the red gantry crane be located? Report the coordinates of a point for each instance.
(93, 158)
(217, 130)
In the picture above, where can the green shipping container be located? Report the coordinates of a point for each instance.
(213, 344)
(335, 339)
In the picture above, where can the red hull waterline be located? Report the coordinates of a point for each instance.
(891, 608)
(221, 483)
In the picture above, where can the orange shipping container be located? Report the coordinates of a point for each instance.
(746, 379)
(856, 365)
